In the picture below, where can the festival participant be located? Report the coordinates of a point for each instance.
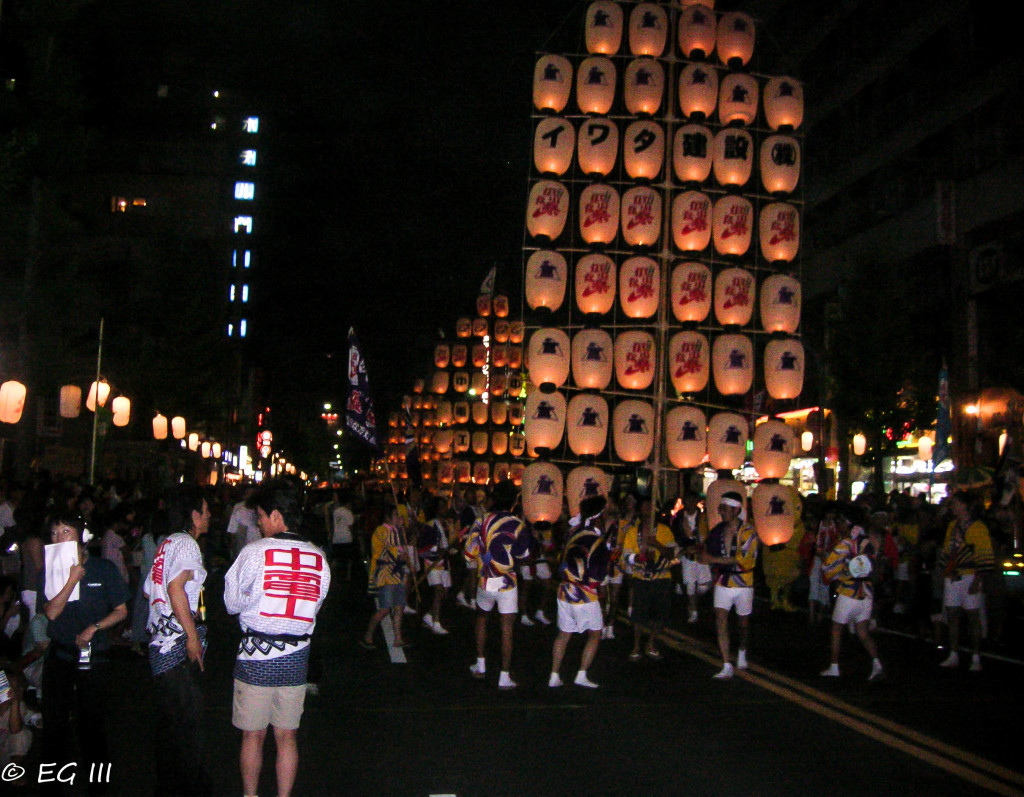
(649, 549)
(617, 520)
(820, 596)
(731, 550)
(389, 564)
(690, 528)
(849, 564)
(467, 519)
(433, 549)
(583, 572)
(276, 586)
(537, 568)
(242, 526)
(342, 521)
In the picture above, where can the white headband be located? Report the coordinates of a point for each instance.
(731, 502)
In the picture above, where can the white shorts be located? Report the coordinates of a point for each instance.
(256, 707)
(506, 600)
(576, 618)
(855, 610)
(956, 596)
(740, 598)
(439, 577)
(541, 567)
(819, 591)
(696, 577)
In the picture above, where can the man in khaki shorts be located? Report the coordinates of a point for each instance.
(276, 586)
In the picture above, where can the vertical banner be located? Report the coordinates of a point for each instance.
(943, 425)
(359, 416)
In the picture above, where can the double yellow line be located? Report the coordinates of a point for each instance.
(972, 768)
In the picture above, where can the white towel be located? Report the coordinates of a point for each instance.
(60, 557)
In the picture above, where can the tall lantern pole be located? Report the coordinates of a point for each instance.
(96, 409)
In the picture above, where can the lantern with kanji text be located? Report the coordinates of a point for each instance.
(595, 284)
(599, 214)
(635, 359)
(784, 368)
(554, 142)
(633, 430)
(732, 358)
(648, 29)
(641, 216)
(584, 482)
(698, 91)
(697, 26)
(734, 296)
(644, 86)
(552, 82)
(597, 146)
(783, 103)
(546, 274)
(780, 232)
(727, 440)
(692, 156)
(639, 287)
(780, 303)
(686, 436)
(774, 446)
(548, 359)
(587, 424)
(733, 156)
(545, 420)
(731, 225)
(689, 361)
(691, 291)
(592, 359)
(775, 508)
(735, 38)
(595, 85)
(603, 28)
(737, 99)
(780, 164)
(644, 149)
(691, 221)
(547, 210)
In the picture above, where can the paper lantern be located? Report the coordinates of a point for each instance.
(546, 274)
(178, 427)
(443, 439)
(159, 427)
(641, 216)
(592, 359)
(542, 492)
(697, 28)
(689, 361)
(925, 447)
(599, 214)
(644, 86)
(193, 441)
(644, 150)
(698, 91)
(460, 412)
(860, 444)
(442, 355)
(463, 327)
(121, 408)
(515, 356)
(713, 499)
(603, 28)
(499, 443)
(692, 157)
(12, 401)
(587, 424)
(70, 401)
(784, 368)
(780, 304)
(460, 381)
(499, 412)
(737, 99)
(727, 440)
(480, 443)
(807, 441)
(479, 359)
(549, 357)
(731, 225)
(439, 382)
(648, 29)
(691, 221)
(480, 327)
(516, 413)
(446, 471)
(481, 472)
(104, 393)
(780, 164)
(691, 291)
(516, 330)
(774, 446)
(780, 232)
(734, 296)
(584, 482)
(501, 328)
(783, 103)
(633, 430)
(686, 436)
(552, 81)
(517, 444)
(554, 142)
(460, 441)
(595, 284)
(499, 356)
(732, 358)
(635, 359)
(735, 38)
(516, 470)
(597, 146)
(498, 384)
(775, 508)
(444, 412)
(500, 303)
(205, 449)
(463, 471)
(595, 85)
(639, 287)
(480, 412)
(547, 209)
(733, 156)
(483, 304)
(418, 385)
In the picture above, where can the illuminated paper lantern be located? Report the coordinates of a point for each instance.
(648, 29)
(70, 401)
(193, 441)
(460, 441)
(104, 392)
(639, 287)
(603, 28)
(775, 508)
(483, 304)
(516, 331)
(178, 427)
(122, 410)
(635, 359)
(733, 156)
(439, 382)
(692, 157)
(501, 328)
(480, 443)
(731, 225)
(516, 470)
(480, 327)
(644, 86)
(592, 359)
(159, 427)
(587, 424)
(595, 85)
(463, 471)
(713, 499)
(780, 164)
(734, 296)
(595, 284)
(735, 38)
(633, 430)
(697, 30)
(460, 412)
(205, 449)
(780, 304)
(732, 358)
(499, 443)
(774, 446)
(554, 142)
(737, 99)
(691, 291)
(481, 472)
(515, 386)
(480, 412)
(499, 412)
(641, 216)
(780, 232)
(543, 488)
(418, 385)
(860, 444)
(516, 413)
(463, 327)
(443, 439)
(689, 361)
(500, 302)
(499, 356)
(597, 146)
(599, 214)
(442, 355)
(446, 471)
(643, 149)
(517, 444)
(784, 368)
(515, 356)
(460, 381)
(12, 401)
(698, 91)
(498, 384)
(686, 436)
(583, 482)
(783, 103)
(479, 355)
(727, 440)
(549, 357)
(546, 275)
(691, 221)
(552, 82)
(807, 441)
(547, 209)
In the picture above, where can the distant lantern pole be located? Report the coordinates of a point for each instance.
(96, 413)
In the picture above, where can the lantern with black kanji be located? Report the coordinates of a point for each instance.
(592, 359)
(734, 296)
(698, 91)
(635, 360)
(780, 232)
(460, 381)
(644, 149)
(549, 357)
(732, 358)
(547, 209)
(780, 164)
(697, 31)
(691, 291)
(783, 103)
(686, 436)
(774, 445)
(633, 430)
(733, 157)
(689, 361)
(587, 424)
(595, 283)
(595, 85)
(603, 28)
(737, 99)
(644, 86)
(692, 156)
(731, 225)
(543, 488)
(554, 142)
(691, 221)
(780, 303)
(599, 214)
(546, 275)
(641, 216)
(784, 368)
(552, 81)
(597, 146)
(727, 440)
(648, 29)
(639, 287)
(735, 38)
(775, 508)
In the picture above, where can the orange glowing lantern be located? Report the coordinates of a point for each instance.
(732, 358)
(478, 383)
(727, 440)
(499, 412)
(584, 482)
(481, 472)
(633, 430)
(648, 29)
(178, 427)
(713, 499)
(733, 156)
(697, 27)
(734, 297)
(774, 444)
(592, 359)
(418, 385)
(691, 153)
(548, 362)
(595, 85)
(595, 284)
(439, 382)
(775, 508)
(542, 492)
(70, 401)
(501, 327)
(698, 91)
(860, 444)
(691, 221)
(553, 145)
(499, 355)
(686, 436)
(599, 214)
(499, 443)
(603, 28)
(463, 471)
(639, 287)
(442, 355)
(205, 448)
(784, 368)
(480, 327)
(446, 471)
(783, 103)
(587, 424)
(737, 99)
(159, 427)
(12, 401)
(479, 355)
(460, 381)
(598, 146)
(780, 232)
(547, 209)
(480, 412)
(463, 327)
(780, 304)
(644, 149)
(101, 387)
(516, 330)
(517, 444)
(735, 38)
(780, 164)
(641, 216)
(443, 439)
(444, 412)
(483, 304)
(635, 359)
(515, 356)
(731, 225)
(644, 86)
(546, 274)
(122, 410)
(460, 412)
(480, 443)
(691, 291)
(552, 82)
(689, 361)
(460, 442)
(193, 441)
(500, 302)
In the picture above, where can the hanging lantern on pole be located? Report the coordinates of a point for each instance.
(644, 149)
(644, 86)
(686, 436)
(595, 284)
(552, 81)
(692, 156)
(499, 412)
(635, 360)
(733, 157)
(732, 358)
(737, 99)
(691, 221)
(480, 443)
(547, 210)
(121, 408)
(774, 446)
(780, 232)
(599, 214)
(783, 103)
(463, 328)
(633, 430)
(595, 85)
(587, 424)
(689, 361)
(597, 146)
(193, 441)
(583, 482)
(641, 216)
(542, 492)
(439, 382)
(603, 28)
(698, 91)
(697, 29)
(648, 29)
(735, 38)
(639, 287)
(780, 164)
(442, 355)
(691, 291)
(12, 401)
(860, 444)
(554, 142)
(548, 361)
(734, 296)
(727, 440)
(70, 401)
(443, 440)
(780, 304)
(775, 508)
(103, 388)
(731, 224)
(499, 443)
(592, 359)
(178, 427)
(784, 368)
(546, 275)
(159, 427)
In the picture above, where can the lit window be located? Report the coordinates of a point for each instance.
(246, 259)
(251, 125)
(139, 202)
(118, 204)
(245, 191)
(243, 224)
(248, 157)
(245, 293)
(231, 293)
(231, 330)
(241, 328)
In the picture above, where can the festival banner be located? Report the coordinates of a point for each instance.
(359, 416)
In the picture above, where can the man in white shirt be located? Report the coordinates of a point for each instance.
(242, 525)
(342, 521)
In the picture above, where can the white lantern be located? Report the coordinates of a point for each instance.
(727, 440)
(691, 221)
(633, 430)
(733, 156)
(635, 359)
(547, 210)
(193, 441)
(641, 216)
(178, 427)
(480, 413)
(732, 358)
(12, 401)
(775, 508)
(499, 412)
(597, 146)
(552, 81)
(542, 492)
(780, 232)
(443, 439)
(644, 149)
(784, 368)
(480, 443)
(595, 85)
(735, 38)
(780, 304)
(205, 448)
(925, 446)
(780, 164)
(499, 443)
(807, 441)
(122, 410)
(639, 287)
(697, 26)
(585, 482)
(70, 401)
(774, 446)
(860, 444)
(603, 28)
(783, 103)
(686, 436)
(731, 225)
(599, 214)
(595, 284)
(549, 357)
(592, 359)
(644, 86)
(439, 382)
(737, 99)
(159, 427)
(698, 91)
(713, 499)
(481, 472)
(546, 276)
(648, 29)
(734, 296)
(689, 360)
(587, 424)
(691, 291)
(104, 392)
(553, 145)
(692, 156)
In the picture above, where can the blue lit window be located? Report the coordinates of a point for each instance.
(241, 328)
(251, 124)
(245, 293)
(243, 224)
(245, 190)
(231, 330)
(231, 293)
(246, 259)
(248, 157)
